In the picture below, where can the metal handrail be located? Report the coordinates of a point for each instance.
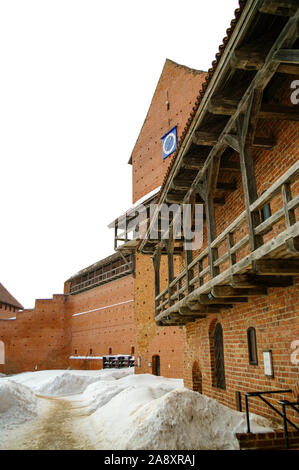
(284, 404)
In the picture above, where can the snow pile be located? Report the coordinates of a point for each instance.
(2, 375)
(56, 383)
(135, 416)
(66, 384)
(18, 404)
(99, 394)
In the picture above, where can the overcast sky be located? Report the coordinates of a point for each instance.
(77, 78)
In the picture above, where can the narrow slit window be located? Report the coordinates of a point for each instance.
(252, 348)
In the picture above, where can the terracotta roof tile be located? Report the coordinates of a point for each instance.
(208, 78)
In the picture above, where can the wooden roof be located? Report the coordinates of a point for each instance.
(7, 298)
(98, 264)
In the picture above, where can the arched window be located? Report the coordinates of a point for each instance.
(132, 350)
(219, 357)
(110, 350)
(252, 348)
(2, 353)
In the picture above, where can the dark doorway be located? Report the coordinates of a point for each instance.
(196, 378)
(156, 365)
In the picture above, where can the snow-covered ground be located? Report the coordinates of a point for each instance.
(113, 409)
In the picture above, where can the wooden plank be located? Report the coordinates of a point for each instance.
(232, 141)
(250, 190)
(288, 69)
(230, 243)
(211, 232)
(281, 267)
(279, 7)
(287, 56)
(244, 264)
(229, 291)
(252, 280)
(204, 299)
(267, 111)
(287, 197)
(288, 177)
(170, 249)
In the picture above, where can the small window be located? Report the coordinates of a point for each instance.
(90, 351)
(252, 348)
(76, 352)
(266, 212)
(132, 350)
(110, 350)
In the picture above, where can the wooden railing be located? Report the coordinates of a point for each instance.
(102, 278)
(232, 245)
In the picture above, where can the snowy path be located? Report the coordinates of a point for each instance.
(54, 429)
(113, 410)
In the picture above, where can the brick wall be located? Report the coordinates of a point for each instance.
(268, 441)
(48, 335)
(40, 337)
(166, 342)
(180, 86)
(275, 317)
(111, 325)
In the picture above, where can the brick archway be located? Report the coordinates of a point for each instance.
(2, 353)
(196, 378)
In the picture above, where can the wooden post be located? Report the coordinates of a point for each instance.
(230, 244)
(156, 262)
(287, 197)
(170, 248)
(211, 230)
(246, 126)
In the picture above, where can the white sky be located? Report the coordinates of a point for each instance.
(76, 81)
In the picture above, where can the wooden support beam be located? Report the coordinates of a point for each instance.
(279, 267)
(187, 311)
(232, 141)
(292, 245)
(229, 291)
(230, 243)
(204, 138)
(284, 113)
(230, 167)
(288, 69)
(205, 299)
(192, 163)
(252, 55)
(173, 198)
(185, 185)
(156, 262)
(287, 56)
(247, 281)
(248, 59)
(279, 7)
(170, 249)
(211, 230)
(268, 111)
(245, 127)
